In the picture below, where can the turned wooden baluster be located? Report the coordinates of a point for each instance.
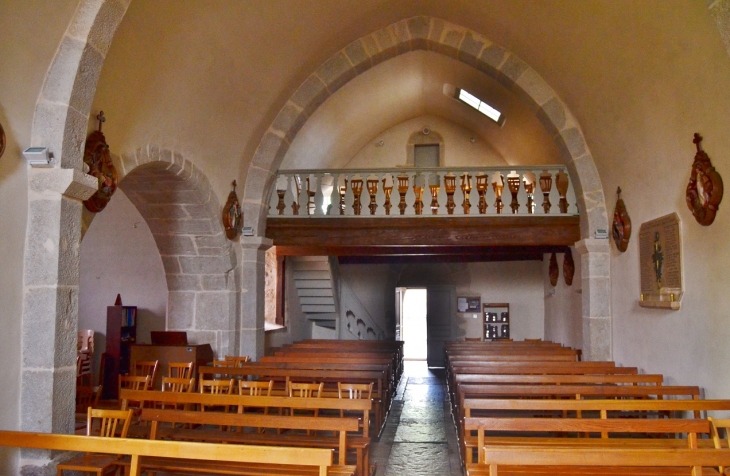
(342, 190)
(450, 186)
(561, 182)
(298, 198)
(434, 186)
(513, 183)
(546, 183)
(372, 190)
(418, 188)
(356, 185)
(482, 184)
(402, 190)
(529, 180)
(388, 189)
(498, 186)
(466, 190)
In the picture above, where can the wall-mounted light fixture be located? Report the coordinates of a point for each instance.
(38, 157)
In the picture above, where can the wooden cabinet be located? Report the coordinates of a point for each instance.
(121, 333)
(496, 321)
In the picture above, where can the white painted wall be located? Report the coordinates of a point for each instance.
(120, 256)
(26, 54)
(563, 305)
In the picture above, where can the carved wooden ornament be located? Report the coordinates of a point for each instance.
(232, 215)
(704, 191)
(568, 267)
(553, 270)
(621, 227)
(97, 157)
(2, 140)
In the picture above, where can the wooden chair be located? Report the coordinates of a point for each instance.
(255, 388)
(83, 369)
(181, 385)
(134, 383)
(180, 369)
(715, 425)
(354, 391)
(238, 360)
(305, 390)
(111, 424)
(224, 363)
(141, 368)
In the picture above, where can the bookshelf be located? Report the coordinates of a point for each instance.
(496, 321)
(121, 334)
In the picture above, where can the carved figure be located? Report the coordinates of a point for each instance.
(97, 157)
(705, 189)
(621, 227)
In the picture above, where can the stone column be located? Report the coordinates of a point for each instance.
(595, 261)
(50, 307)
(253, 290)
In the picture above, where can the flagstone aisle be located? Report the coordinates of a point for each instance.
(419, 437)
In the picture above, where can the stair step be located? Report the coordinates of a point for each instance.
(311, 265)
(313, 284)
(312, 275)
(326, 324)
(317, 300)
(322, 316)
(310, 308)
(315, 292)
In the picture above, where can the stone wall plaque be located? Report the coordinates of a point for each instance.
(660, 258)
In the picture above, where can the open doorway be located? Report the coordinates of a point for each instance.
(412, 325)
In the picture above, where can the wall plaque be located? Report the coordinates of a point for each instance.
(660, 257)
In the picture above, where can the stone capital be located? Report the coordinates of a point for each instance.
(71, 183)
(256, 243)
(592, 245)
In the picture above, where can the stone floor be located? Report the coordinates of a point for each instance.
(419, 437)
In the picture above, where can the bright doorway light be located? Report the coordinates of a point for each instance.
(414, 329)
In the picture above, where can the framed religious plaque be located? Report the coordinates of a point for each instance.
(660, 257)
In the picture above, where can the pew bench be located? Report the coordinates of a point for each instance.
(205, 427)
(188, 457)
(525, 409)
(520, 461)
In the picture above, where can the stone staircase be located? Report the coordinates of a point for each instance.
(313, 280)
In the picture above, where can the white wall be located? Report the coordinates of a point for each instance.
(120, 256)
(26, 54)
(563, 304)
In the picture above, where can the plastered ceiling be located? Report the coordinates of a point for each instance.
(207, 77)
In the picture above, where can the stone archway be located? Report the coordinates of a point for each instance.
(471, 48)
(53, 234)
(200, 264)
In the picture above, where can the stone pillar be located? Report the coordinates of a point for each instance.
(253, 290)
(595, 261)
(50, 307)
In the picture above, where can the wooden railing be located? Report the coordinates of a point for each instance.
(464, 191)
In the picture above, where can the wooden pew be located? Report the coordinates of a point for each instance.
(604, 427)
(155, 399)
(212, 421)
(191, 456)
(515, 461)
(381, 398)
(527, 408)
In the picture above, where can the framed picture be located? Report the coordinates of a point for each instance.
(468, 304)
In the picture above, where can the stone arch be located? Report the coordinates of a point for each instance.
(176, 200)
(474, 49)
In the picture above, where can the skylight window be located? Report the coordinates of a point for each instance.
(467, 98)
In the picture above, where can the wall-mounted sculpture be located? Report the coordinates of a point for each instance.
(704, 191)
(568, 267)
(2, 140)
(232, 215)
(99, 161)
(621, 227)
(553, 271)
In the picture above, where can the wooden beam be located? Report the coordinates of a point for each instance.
(426, 231)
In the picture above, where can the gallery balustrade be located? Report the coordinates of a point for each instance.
(465, 191)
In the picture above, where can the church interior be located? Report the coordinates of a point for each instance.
(273, 172)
